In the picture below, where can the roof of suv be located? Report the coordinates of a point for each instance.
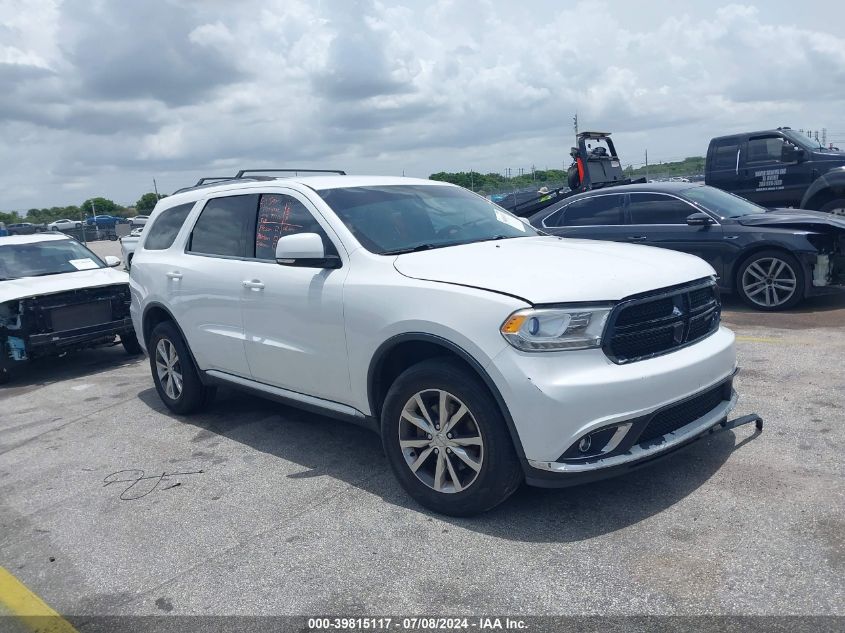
(317, 183)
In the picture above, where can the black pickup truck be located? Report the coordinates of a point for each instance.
(778, 168)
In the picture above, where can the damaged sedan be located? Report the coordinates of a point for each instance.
(771, 258)
(56, 296)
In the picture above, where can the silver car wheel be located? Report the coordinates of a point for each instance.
(441, 441)
(769, 282)
(169, 369)
(840, 211)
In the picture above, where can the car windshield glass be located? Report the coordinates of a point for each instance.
(802, 140)
(722, 203)
(50, 257)
(395, 219)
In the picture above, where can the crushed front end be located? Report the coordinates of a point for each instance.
(52, 324)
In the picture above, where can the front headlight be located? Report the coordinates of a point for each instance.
(553, 329)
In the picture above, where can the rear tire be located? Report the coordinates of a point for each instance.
(467, 463)
(770, 280)
(5, 376)
(835, 207)
(174, 373)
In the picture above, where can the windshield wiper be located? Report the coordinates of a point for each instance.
(58, 272)
(414, 249)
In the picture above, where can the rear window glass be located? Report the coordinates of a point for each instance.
(226, 227)
(724, 154)
(654, 208)
(603, 210)
(166, 226)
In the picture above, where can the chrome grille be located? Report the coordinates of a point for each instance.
(659, 323)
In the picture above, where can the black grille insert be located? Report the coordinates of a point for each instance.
(644, 327)
(674, 417)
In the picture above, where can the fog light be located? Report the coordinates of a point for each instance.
(585, 443)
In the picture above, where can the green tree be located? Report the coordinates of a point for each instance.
(10, 217)
(101, 206)
(147, 202)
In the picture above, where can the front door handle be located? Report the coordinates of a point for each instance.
(254, 284)
(174, 274)
(638, 238)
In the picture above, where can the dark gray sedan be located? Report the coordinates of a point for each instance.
(771, 258)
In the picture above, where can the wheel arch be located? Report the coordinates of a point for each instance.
(759, 247)
(404, 350)
(155, 313)
(825, 188)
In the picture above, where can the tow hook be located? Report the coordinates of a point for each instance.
(727, 425)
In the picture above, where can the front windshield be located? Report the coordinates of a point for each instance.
(802, 140)
(393, 219)
(722, 203)
(50, 257)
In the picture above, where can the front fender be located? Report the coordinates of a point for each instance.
(817, 192)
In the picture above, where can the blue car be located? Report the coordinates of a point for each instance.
(103, 221)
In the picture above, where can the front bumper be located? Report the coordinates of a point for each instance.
(544, 478)
(634, 455)
(556, 398)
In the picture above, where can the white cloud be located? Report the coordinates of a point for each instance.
(113, 94)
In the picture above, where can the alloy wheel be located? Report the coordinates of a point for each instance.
(769, 282)
(168, 368)
(441, 441)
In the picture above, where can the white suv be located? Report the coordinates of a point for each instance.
(483, 352)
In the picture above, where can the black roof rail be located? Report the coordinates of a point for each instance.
(241, 173)
(202, 181)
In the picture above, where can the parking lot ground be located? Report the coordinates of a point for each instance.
(111, 505)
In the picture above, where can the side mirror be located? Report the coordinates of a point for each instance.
(304, 249)
(791, 154)
(112, 261)
(700, 219)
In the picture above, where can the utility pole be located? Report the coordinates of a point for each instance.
(824, 137)
(646, 165)
(155, 188)
(575, 125)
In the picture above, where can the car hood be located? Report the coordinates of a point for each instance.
(36, 286)
(555, 270)
(794, 218)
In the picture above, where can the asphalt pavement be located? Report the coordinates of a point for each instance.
(270, 510)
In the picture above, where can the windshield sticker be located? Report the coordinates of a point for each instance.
(85, 263)
(506, 218)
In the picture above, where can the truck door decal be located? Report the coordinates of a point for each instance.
(770, 179)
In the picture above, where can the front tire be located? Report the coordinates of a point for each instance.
(446, 440)
(771, 280)
(131, 344)
(174, 374)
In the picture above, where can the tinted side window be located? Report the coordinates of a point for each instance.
(600, 210)
(226, 227)
(280, 215)
(724, 156)
(163, 231)
(765, 149)
(653, 208)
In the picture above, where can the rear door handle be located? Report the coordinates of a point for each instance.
(638, 238)
(254, 284)
(174, 274)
